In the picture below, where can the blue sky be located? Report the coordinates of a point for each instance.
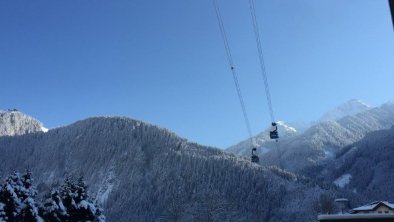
(163, 62)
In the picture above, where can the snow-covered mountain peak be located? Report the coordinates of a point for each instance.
(262, 139)
(282, 126)
(349, 108)
(14, 122)
(357, 102)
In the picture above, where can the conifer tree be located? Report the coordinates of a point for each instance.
(17, 197)
(29, 211)
(53, 208)
(71, 203)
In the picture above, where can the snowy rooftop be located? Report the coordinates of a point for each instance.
(372, 206)
(353, 216)
(341, 217)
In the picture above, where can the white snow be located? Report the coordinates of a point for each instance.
(106, 186)
(44, 129)
(261, 139)
(343, 180)
(87, 205)
(286, 127)
(104, 195)
(372, 205)
(16, 123)
(328, 154)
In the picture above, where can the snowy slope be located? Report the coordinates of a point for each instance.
(286, 131)
(320, 142)
(13, 122)
(349, 108)
(141, 172)
(263, 142)
(370, 164)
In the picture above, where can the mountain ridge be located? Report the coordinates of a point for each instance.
(303, 152)
(348, 108)
(323, 140)
(140, 172)
(244, 148)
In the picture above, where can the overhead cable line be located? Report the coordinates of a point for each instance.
(261, 58)
(232, 68)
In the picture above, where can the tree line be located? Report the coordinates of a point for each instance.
(68, 202)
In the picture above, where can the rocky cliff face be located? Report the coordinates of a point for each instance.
(13, 123)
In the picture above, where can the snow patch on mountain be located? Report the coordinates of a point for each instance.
(343, 180)
(328, 154)
(106, 187)
(300, 126)
(286, 128)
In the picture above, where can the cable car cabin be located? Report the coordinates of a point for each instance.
(254, 158)
(274, 132)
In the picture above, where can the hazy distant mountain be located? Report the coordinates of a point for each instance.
(349, 108)
(323, 140)
(13, 122)
(366, 167)
(140, 172)
(262, 140)
(302, 152)
(287, 130)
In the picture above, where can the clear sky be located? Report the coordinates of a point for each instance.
(163, 62)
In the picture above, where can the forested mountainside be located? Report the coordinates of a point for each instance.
(140, 172)
(288, 130)
(13, 122)
(365, 167)
(305, 152)
(320, 143)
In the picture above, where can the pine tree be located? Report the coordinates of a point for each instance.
(53, 208)
(9, 198)
(17, 195)
(29, 211)
(71, 203)
(81, 208)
